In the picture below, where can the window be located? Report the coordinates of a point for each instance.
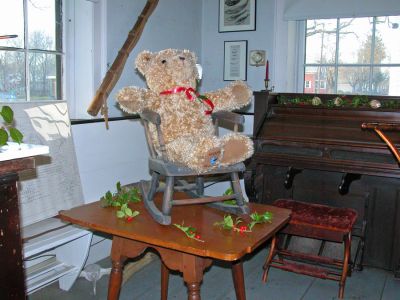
(307, 84)
(353, 55)
(31, 58)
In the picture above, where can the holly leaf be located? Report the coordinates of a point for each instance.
(3, 137)
(109, 196)
(7, 114)
(16, 135)
(120, 214)
(227, 223)
(128, 212)
(257, 218)
(119, 189)
(228, 191)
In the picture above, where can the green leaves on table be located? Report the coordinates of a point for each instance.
(121, 199)
(189, 231)
(229, 223)
(258, 219)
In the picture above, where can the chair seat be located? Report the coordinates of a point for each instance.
(321, 216)
(172, 169)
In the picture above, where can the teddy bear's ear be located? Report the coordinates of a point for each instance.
(192, 55)
(143, 61)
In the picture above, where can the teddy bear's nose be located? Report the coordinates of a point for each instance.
(181, 58)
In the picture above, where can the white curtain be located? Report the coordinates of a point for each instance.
(327, 9)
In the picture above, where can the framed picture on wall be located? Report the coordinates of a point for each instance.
(235, 60)
(237, 15)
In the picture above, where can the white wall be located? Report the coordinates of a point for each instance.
(173, 24)
(213, 45)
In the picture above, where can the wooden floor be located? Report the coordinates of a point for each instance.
(370, 284)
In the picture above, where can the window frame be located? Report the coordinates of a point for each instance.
(26, 50)
(301, 67)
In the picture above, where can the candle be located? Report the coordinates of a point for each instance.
(267, 70)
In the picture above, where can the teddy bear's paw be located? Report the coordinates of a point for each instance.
(241, 92)
(236, 150)
(212, 157)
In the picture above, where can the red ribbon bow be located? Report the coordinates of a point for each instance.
(192, 95)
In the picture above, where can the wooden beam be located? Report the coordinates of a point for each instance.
(114, 73)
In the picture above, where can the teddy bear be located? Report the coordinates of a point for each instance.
(172, 76)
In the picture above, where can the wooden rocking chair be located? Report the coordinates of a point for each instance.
(176, 174)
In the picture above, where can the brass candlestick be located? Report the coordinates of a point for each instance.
(266, 83)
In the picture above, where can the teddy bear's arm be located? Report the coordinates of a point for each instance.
(133, 99)
(233, 96)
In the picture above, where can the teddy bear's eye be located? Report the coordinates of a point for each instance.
(163, 61)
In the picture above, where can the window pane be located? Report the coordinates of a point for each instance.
(320, 41)
(353, 80)
(42, 24)
(320, 80)
(12, 76)
(385, 81)
(355, 37)
(44, 80)
(12, 22)
(387, 45)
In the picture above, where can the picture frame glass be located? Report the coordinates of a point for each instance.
(237, 15)
(235, 60)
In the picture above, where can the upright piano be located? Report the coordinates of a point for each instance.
(312, 148)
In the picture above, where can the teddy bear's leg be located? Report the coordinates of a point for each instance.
(198, 153)
(237, 148)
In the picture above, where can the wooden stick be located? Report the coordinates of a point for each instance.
(394, 150)
(114, 73)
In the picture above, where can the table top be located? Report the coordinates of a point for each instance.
(14, 151)
(218, 243)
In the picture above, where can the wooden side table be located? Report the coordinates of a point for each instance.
(177, 251)
(12, 278)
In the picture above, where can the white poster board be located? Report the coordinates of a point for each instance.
(55, 183)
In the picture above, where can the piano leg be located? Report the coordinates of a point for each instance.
(291, 173)
(347, 179)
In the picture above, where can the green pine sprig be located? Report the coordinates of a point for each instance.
(190, 232)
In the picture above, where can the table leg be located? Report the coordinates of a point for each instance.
(191, 266)
(164, 281)
(238, 280)
(114, 284)
(193, 290)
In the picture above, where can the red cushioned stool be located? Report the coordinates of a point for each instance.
(317, 222)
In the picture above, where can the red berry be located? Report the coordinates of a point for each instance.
(197, 236)
(129, 219)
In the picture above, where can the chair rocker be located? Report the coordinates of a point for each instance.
(176, 174)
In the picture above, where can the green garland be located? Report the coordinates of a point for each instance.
(358, 101)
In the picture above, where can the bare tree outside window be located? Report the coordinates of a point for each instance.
(353, 56)
(30, 64)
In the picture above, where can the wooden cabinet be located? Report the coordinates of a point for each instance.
(12, 279)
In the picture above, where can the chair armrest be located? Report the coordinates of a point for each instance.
(228, 116)
(150, 116)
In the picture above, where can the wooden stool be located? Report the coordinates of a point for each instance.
(317, 222)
